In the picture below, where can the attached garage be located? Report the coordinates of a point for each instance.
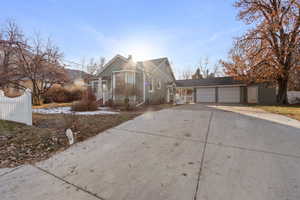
(260, 94)
(227, 90)
(206, 95)
(229, 95)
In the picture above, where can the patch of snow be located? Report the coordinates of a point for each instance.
(67, 110)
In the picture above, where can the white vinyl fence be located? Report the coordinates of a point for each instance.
(16, 109)
(294, 96)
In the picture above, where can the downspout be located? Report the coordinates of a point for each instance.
(144, 95)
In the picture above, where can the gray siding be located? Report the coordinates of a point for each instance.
(266, 95)
(243, 94)
(158, 95)
(117, 65)
(159, 73)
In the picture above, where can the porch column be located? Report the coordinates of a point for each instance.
(113, 86)
(100, 92)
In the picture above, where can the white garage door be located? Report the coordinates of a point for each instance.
(206, 95)
(229, 94)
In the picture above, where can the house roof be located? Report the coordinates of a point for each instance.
(157, 61)
(209, 82)
(107, 65)
(147, 65)
(74, 74)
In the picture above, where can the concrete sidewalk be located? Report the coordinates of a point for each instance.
(192, 152)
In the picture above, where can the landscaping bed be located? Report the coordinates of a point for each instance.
(21, 144)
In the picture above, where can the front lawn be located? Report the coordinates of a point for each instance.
(292, 111)
(20, 144)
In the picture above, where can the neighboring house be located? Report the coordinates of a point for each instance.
(12, 91)
(150, 81)
(223, 90)
(77, 78)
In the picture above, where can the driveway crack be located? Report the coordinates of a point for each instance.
(203, 156)
(159, 135)
(67, 182)
(10, 171)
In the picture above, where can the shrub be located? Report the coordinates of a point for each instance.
(100, 102)
(127, 103)
(110, 103)
(60, 95)
(75, 94)
(87, 103)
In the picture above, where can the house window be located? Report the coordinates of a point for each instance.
(158, 84)
(130, 78)
(151, 88)
(124, 83)
(95, 86)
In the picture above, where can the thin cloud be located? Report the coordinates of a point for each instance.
(143, 45)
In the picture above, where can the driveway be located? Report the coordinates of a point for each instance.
(191, 152)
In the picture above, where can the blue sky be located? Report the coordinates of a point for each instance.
(183, 31)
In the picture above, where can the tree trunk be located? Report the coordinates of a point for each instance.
(282, 91)
(36, 97)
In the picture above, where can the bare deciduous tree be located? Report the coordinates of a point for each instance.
(186, 74)
(94, 67)
(270, 50)
(10, 36)
(41, 65)
(36, 62)
(206, 70)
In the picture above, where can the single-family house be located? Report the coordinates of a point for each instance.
(150, 81)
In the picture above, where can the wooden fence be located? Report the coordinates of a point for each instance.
(16, 109)
(294, 96)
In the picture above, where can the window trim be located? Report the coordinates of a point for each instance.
(125, 79)
(95, 85)
(152, 85)
(159, 84)
(127, 74)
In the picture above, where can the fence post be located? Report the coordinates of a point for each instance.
(29, 106)
(2, 113)
(16, 109)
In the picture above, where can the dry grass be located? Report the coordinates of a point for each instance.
(84, 125)
(292, 111)
(20, 144)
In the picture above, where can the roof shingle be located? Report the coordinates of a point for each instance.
(209, 82)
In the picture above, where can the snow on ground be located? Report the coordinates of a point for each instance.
(67, 110)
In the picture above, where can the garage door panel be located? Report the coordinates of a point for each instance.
(229, 94)
(206, 95)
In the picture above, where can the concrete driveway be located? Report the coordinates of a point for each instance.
(195, 152)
